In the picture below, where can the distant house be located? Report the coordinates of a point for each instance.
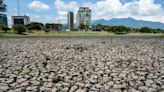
(53, 26)
(3, 19)
(21, 20)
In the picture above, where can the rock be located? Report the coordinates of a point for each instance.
(151, 90)
(149, 82)
(29, 88)
(54, 89)
(49, 84)
(143, 88)
(79, 90)
(4, 88)
(133, 90)
(73, 88)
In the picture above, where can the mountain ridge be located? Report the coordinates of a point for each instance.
(130, 22)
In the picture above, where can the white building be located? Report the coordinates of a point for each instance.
(83, 16)
(21, 20)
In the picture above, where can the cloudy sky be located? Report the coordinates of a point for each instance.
(56, 10)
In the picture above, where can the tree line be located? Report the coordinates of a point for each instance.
(120, 29)
(47, 27)
(111, 29)
(34, 26)
(125, 30)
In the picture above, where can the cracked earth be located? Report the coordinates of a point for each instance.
(82, 64)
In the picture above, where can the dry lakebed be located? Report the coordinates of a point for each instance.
(81, 64)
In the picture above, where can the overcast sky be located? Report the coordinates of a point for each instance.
(54, 10)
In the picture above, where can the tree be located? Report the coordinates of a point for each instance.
(19, 28)
(158, 31)
(119, 29)
(98, 27)
(135, 30)
(146, 30)
(52, 26)
(3, 6)
(49, 26)
(59, 27)
(81, 26)
(107, 28)
(4, 28)
(35, 26)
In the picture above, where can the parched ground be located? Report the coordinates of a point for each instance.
(82, 64)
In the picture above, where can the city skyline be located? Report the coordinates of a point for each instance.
(54, 10)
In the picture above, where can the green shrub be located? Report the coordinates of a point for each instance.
(19, 29)
(46, 30)
(35, 26)
(4, 28)
(83, 27)
(119, 29)
(146, 30)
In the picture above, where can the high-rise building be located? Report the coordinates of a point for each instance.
(3, 19)
(83, 16)
(70, 21)
(21, 20)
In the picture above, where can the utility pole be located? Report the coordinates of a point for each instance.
(18, 7)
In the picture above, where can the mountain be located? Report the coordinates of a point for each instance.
(130, 22)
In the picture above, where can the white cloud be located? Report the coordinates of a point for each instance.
(63, 8)
(148, 7)
(107, 9)
(138, 9)
(42, 18)
(62, 15)
(38, 6)
(61, 5)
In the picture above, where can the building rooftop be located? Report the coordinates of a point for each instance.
(84, 9)
(20, 16)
